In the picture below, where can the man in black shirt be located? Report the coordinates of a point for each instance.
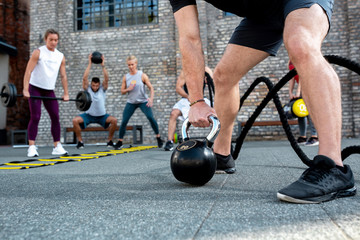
(302, 25)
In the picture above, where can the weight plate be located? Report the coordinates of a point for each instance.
(83, 101)
(88, 101)
(79, 101)
(5, 95)
(13, 95)
(8, 95)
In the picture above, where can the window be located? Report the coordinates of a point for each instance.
(97, 14)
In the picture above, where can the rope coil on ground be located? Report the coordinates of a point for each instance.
(272, 94)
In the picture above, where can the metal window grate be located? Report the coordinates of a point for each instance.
(98, 14)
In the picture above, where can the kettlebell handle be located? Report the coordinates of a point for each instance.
(210, 137)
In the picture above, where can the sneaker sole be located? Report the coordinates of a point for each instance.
(312, 144)
(36, 155)
(168, 149)
(226, 171)
(59, 154)
(324, 198)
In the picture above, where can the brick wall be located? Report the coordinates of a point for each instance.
(14, 30)
(156, 47)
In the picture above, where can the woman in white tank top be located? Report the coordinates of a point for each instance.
(39, 80)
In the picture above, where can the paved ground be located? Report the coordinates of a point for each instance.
(135, 196)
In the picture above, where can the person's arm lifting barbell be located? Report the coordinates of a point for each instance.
(64, 82)
(29, 68)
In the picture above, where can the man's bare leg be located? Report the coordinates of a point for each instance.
(328, 178)
(77, 129)
(235, 63)
(320, 84)
(175, 113)
(113, 124)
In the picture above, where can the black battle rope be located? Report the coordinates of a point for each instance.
(272, 94)
(211, 87)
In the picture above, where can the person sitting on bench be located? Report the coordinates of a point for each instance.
(97, 112)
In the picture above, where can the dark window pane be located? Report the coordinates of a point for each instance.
(95, 14)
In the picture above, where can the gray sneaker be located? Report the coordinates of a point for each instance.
(301, 141)
(118, 145)
(80, 145)
(160, 142)
(110, 144)
(225, 164)
(324, 181)
(169, 146)
(313, 141)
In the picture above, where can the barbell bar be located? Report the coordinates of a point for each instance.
(9, 96)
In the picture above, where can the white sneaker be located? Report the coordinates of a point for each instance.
(59, 150)
(31, 152)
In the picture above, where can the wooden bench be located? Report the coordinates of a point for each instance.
(263, 123)
(268, 123)
(101, 129)
(256, 123)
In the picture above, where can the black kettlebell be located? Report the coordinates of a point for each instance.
(96, 57)
(193, 161)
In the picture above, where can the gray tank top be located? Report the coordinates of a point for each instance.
(97, 107)
(138, 94)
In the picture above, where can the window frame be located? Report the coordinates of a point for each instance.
(107, 14)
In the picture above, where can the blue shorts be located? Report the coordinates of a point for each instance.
(92, 119)
(265, 33)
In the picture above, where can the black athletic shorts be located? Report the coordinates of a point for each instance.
(265, 33)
